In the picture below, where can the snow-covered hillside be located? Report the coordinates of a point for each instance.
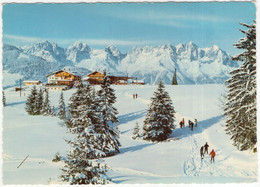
(174, 161)
(20, 65)
(194, 65)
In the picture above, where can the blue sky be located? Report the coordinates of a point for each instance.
(128, 24)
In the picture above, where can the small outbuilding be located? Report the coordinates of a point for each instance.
(29, 82)
(121, 82)
(138, 82)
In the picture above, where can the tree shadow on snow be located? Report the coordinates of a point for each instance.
(120, 181)
(202, 125)
(131, 117)
(134, 148)
(123, 132)
(16, 103)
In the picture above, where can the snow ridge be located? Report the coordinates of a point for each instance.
(151, 64)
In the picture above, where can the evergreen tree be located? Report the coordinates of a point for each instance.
(174, 79)
(82, 165)
(159, 120)
(240, 107)
(39, 102)
(31, 107)
(4, 100)
(108, 117)
(75, 102)
(80, 170)
(83, 116)
(62, 108)
(46, 105)
(84, 124)
(136, 132)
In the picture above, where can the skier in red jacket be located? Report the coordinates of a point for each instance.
(212, 154)
(183, 122)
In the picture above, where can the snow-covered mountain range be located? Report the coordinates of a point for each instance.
(194, 65)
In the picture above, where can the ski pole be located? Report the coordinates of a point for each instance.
(23, 161)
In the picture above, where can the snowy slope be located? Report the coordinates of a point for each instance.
(16, 63)
(194, 65)
(10, 80)
(174, 161)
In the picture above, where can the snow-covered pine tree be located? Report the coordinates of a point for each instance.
(159, 120)
(174, 79)
(108, 117)
(75, 102)
(4, 99)
(136, 132)
(82, 165)
(84, 123)
(46, 110)
(62, 108)
(80, 170)
(39, 102)
(240, 107)
(31, 102)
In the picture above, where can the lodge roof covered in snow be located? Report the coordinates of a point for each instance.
(73, 73)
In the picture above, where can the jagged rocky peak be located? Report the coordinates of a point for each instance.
(184, 46)
(168, 47)
(215, 47)
(80, 46)
(114, 51)
(77, 52)
(191, 44)
(149, 49)
(46, 50)
(40, 46)
(214, 50)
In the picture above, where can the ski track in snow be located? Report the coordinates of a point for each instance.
(195, 166)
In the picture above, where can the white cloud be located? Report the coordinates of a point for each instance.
(23, 40)
(20, 38)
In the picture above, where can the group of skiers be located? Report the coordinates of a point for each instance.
(191, 124)
(204, 150)
(134, 96)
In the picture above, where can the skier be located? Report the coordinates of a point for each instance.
(180, 124)
(212, 154)
(136, 96)
(133, 96)
(196, 123)
(192, 124)
(189, 123)
(206, 148)
(201, 152)
(183, 124)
